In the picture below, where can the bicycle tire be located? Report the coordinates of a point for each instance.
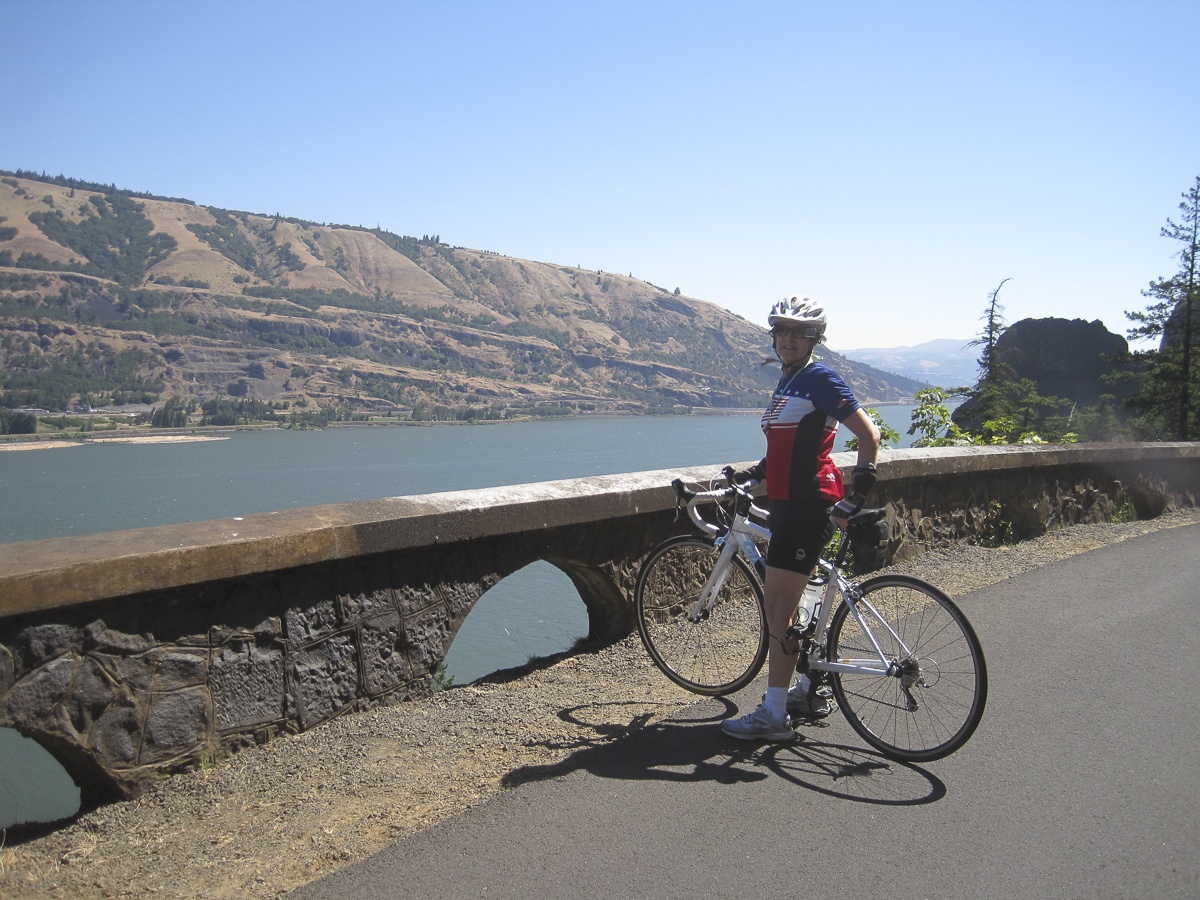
(719, 654)
(945, 702)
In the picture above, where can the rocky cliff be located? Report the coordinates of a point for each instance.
(1064, 358)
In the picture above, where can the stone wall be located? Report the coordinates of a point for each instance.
(134, 654)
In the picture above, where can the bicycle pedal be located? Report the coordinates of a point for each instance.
(800, 632)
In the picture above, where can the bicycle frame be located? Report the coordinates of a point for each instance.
(739, 538)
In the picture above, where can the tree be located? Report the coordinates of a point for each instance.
(990, 368)
(932, 421)
(172, 414)
(1168, 391)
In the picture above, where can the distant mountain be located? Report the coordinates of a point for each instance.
(943, 362)
(108, 296)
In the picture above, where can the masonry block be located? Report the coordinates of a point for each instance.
(303, 625)
(383, 660)
(248, 686)
(117, 736)
(177, 722)
(324, 679)
(31, 702)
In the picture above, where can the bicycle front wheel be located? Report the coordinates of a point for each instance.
(932, 702)
(713, 652)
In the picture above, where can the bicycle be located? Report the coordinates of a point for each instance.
(903, 663)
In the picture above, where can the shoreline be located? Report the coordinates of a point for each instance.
(147, 434)
(123, 439)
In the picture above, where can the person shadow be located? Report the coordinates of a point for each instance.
(690, 747)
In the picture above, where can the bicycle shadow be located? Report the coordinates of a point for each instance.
(690, 747)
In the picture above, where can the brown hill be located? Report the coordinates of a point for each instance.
(106, 295)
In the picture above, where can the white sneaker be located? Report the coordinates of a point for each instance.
(759, 725)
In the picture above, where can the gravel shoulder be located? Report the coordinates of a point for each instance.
(275, 817)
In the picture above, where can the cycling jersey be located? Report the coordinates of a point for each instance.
(800, 425)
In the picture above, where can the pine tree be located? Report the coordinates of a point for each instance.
(990, 368)
(1168, 391)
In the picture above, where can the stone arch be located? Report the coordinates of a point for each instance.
(535, 613)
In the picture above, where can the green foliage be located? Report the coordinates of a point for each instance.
(888, 436)
(37, 261)
(526, 329)
(224, 411)
(931, 420)
(441, 680)
(409, 246)
(115, 236)
(17, 422)
(35, 379)
(79, 184)
(990, 367)
(313, 299)
(1010, 409)
(1168, 398)
(227, 239)
(172, 414)
(1014, 412)
(997, 529)
(432, 412)
(23, 281)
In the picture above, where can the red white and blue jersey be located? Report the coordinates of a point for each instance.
(800, 425)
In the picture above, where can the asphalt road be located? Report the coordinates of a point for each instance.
(1082, 781)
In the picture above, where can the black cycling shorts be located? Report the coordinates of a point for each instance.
(800, 529)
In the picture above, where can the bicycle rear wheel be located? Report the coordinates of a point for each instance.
(721, 651)
(933, 702)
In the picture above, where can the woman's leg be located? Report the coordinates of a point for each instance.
(781, 598)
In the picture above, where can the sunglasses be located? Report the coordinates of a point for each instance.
(798, 331)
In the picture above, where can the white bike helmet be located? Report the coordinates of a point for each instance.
(797, 310)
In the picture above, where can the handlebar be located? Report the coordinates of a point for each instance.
(741, 493)
(745, 504)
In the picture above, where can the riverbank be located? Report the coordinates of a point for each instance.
(118, 439)
(281, 815)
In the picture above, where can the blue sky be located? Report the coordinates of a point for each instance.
(895, 160)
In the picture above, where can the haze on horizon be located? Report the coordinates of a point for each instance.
(897, 161)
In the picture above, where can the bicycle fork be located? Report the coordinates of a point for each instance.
(716, 580)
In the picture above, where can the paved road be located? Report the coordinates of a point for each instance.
(1082, 781)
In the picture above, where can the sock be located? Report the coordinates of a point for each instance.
(803, 684)
(776, 702)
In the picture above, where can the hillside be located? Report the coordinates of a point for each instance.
(107, 296)
(945, 362)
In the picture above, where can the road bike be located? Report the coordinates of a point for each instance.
(903, 662)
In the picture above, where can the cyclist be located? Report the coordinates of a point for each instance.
(804, 491)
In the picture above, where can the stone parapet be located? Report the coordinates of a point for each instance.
(133, 654)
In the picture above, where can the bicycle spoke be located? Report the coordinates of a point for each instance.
(938, 658)
(722, 650)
